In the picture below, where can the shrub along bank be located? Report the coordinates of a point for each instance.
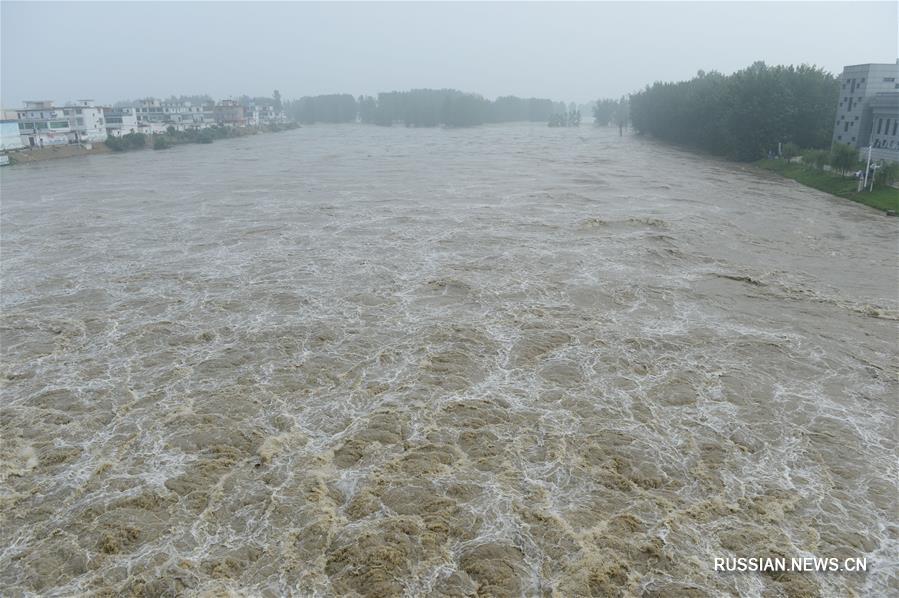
(174, 137)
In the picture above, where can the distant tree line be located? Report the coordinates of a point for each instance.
(332, 108)
(572, 118)
(419, 108)
(743, 115)
(607, 111)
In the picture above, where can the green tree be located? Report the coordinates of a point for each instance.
(789, 150)
(742, 115)
(815, 158)
(887, 174)
(126, 142)
(604, 111)
(843, 157)
(368, 109)
(135, 140)
(116, 144)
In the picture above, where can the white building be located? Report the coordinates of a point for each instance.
(269, 116)
(868, 108)
(9, 135)
(41, 124)
(259, 115)
(150, 128)
(252, 113)
(181, 116)
(120, 121)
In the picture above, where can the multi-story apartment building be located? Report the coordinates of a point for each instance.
(179, 115)
(262, 114)
(120, 121)
(269, 115)
(40, 123)
(197, 116)
(230, 113)
(868, 109)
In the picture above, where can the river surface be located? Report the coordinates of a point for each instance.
(498, 361)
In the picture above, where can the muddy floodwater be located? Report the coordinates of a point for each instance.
(499, 361)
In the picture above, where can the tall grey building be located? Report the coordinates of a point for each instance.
(868, 109)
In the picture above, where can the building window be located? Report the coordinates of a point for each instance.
(879, 125)
(895, 122)
(889, 79)
(59, 124)
(846, 127)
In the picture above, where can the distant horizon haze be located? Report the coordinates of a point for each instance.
(571, 52)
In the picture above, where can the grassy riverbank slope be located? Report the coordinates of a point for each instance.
(885, 198)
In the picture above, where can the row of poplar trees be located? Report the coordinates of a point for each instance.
(743, 115)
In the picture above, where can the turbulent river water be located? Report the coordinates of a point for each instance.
(498, 361)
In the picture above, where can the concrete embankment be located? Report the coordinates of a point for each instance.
(54, 152)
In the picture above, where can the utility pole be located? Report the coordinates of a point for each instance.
(870, 145)
(867, 166)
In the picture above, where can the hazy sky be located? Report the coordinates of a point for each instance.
(112, 51)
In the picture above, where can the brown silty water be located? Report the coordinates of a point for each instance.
(499, 361)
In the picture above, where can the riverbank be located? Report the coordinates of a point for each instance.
(160, 141)
(208, 135)
(885, 198)
(26, 155)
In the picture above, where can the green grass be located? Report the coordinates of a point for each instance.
(884, 198)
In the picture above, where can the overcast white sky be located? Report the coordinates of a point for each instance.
(573, 52)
